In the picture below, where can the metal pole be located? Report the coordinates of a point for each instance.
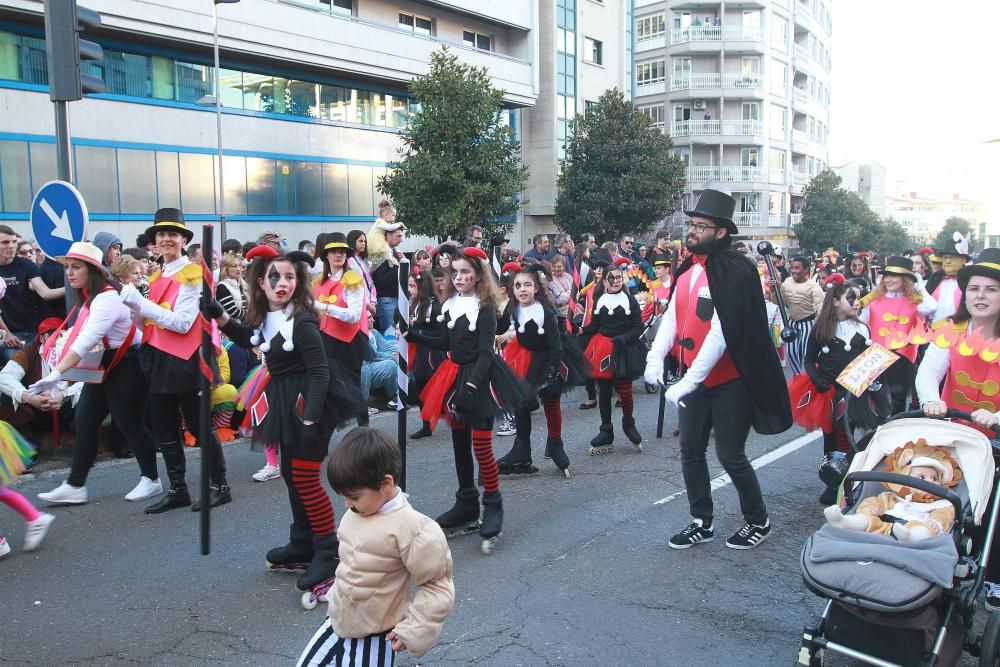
(402, 349)
(221, 199)
(64, 161)
(205, 434)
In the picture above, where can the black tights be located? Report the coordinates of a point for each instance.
(164, 409)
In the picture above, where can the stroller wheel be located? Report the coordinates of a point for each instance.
(989, 652)
(651, 388)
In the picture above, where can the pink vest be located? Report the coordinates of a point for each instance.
(892, 317)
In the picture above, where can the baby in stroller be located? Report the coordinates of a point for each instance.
(908, 514)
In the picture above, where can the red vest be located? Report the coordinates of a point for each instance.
(332, 291)
(692, 330)
(163, 291)
(890, 317)
(971, 382)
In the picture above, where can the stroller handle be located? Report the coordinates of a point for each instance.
(951, 414)
(906, 480)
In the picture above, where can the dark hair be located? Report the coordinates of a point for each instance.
(141, 240)
(231, 245)
(541, 290)
(352, 239)
(193, 247)
(825, 329)
(4, 229)
(425, 293)
(96, 280)
(137, 253)
(248, 246)
(474, 228)
(928, 269)
(662, 234)
(806, 262)
(962, 314)
(362, 460)
(438, 272)
(537, 239)
(257, 309)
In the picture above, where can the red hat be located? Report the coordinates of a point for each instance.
(835, 279)
(48, 325)
(622, 262)
(475, 252)
(264, 252)
(510, 266)
(926, 250)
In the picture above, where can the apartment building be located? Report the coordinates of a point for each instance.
(867, 180)
(584, 49)
(743, 89)
(924, 216)
(314, 94)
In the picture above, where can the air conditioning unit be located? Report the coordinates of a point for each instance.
(700, 105)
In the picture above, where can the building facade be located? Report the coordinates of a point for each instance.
(314, 94)
(867, 180)
(743, 89)
(923, 217)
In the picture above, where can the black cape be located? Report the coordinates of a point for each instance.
(735, 287)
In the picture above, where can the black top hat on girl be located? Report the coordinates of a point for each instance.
(899, 266)
(169, 220)
(336, 241)
(988, 266)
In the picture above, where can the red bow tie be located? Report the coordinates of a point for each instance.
(698, 259)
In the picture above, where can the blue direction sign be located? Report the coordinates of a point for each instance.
(58, 217)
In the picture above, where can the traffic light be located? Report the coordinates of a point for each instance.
(64, 21)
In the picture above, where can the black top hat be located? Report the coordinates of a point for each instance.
(988, 266)
(599, 257)
(717, 206)
(448, 248)
(661, 261)
(169, 220)
(901, 266)
(498, 240)
(959, 245)
(335, 241)
(299, 256)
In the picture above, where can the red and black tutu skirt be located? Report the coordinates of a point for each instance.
(532, 366)
(608, 360)
(502, 392)
(811, 408)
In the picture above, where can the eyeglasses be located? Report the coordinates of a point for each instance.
(701, 227)
(26, 251)
(613, 279)
(627, 242)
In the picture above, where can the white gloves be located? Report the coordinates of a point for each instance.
(654, 372)
(47, 383)
(131, 297)
(679, 390)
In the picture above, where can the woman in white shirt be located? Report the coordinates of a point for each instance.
(102, 321)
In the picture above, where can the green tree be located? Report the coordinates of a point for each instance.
(833, 216)
(619, 174)
(893, 238)
(946, 237)
(460, 163)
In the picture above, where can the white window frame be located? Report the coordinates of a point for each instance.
(413, 27)
(476, 35)
(592, 47)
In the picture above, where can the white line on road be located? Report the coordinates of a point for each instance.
(759, 462)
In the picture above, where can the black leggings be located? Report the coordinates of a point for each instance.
(165, 410)
(123, 394)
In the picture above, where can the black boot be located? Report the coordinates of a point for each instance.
(603, 442)
(492, 520)
(177, 496)
(518, 460)
(463, 517)
(628, 426)
(424, 432)
(292, 556)
(218, 494)
(323, 565)
(555, 448)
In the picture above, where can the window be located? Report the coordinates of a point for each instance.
(344, 7)
(97, 178)
(779, 31)
(649, 27)
(137, 179)
(420, 25)
(593, 50)
(654, 113)
(14, 176)
(779, 78)
(649, 72)
(588, 106)
(475, 40)
(779, 121)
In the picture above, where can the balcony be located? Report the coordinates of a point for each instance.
(775, 221)
(803, 52)
(654, 87)
(776, 176)
(651, 43)
(715, 33)
(794, 219)
(726, 174)
(716, 80)
(688, 128)
(744, 220)
(800, 178)
(800, 137)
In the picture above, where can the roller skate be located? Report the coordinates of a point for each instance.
(319, 575)
(318, 593)
(463, 517)
(632, 433)
(492, 522)
(554, 447)
(603, 442)
(289, 558)
(518, 460)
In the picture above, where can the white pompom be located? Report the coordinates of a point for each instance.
(265, 347)
(627, 310)
(868, 341)
(847, 347)
(472, 325)
(541, 330)
(288, 346)
(440, 318)
(826, 349)
(451, 323)
(520, 329)
(255, 338)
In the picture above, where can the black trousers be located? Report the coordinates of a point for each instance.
(165, 411)
(727, 409)
(123, 394)
(899, 379)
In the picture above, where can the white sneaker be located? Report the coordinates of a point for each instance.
(65, 494)
(35, 531)
(4, 547)
(266, 473)
(146, 488)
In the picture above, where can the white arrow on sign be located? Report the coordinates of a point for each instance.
(60, 224)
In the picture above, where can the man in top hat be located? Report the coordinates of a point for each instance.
(716, 325)
(943, 285)
(171, 336)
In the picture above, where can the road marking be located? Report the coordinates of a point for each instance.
(759, 462)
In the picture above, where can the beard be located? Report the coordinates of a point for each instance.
(705, 247)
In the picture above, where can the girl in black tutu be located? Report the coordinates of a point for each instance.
(342, 302)
(541, 354)
(424, 310)
(470, 388)
(299, 406)
(616, 356)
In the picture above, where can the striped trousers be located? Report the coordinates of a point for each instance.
(796, 350)
(326, 648)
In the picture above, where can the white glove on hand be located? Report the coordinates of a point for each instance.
(678, 391)
(47, 383)
(653, 374)
(131, 297)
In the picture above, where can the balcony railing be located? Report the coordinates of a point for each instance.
(746, 219)
(776, 175)
(651, 42)
(800, 136)
(715, 80)
(715, 33)
(729, 174)
(687, 128)
(814, 54)
(800, 178)
(800, 95)
(775, 220)
(794, 218)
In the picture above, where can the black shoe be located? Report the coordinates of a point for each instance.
(828, 497)
(218, 494)
(424, 432)
(603, 442)
(518, 460)
(554, 446)
(588, 405)
(292, 556)
(174, 498)
(834, 468)
(750, 535)
(696, 533)
(631, 432)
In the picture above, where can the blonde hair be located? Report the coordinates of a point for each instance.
(909, 290)
(384, 204)
(229, 260)
(123, 266)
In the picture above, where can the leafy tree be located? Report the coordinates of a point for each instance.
(460, 164)
(893, 238)
(833, 216)
(946, 237)
(619, 174)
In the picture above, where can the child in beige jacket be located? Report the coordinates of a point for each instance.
(384, 543)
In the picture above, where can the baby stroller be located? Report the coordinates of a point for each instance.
(890, 603)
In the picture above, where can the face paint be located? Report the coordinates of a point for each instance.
(273, 277)
(279, 284)
(951, 264)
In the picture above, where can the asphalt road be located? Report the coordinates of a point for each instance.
(582, 574)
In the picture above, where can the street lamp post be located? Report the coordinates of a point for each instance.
(221, 199)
